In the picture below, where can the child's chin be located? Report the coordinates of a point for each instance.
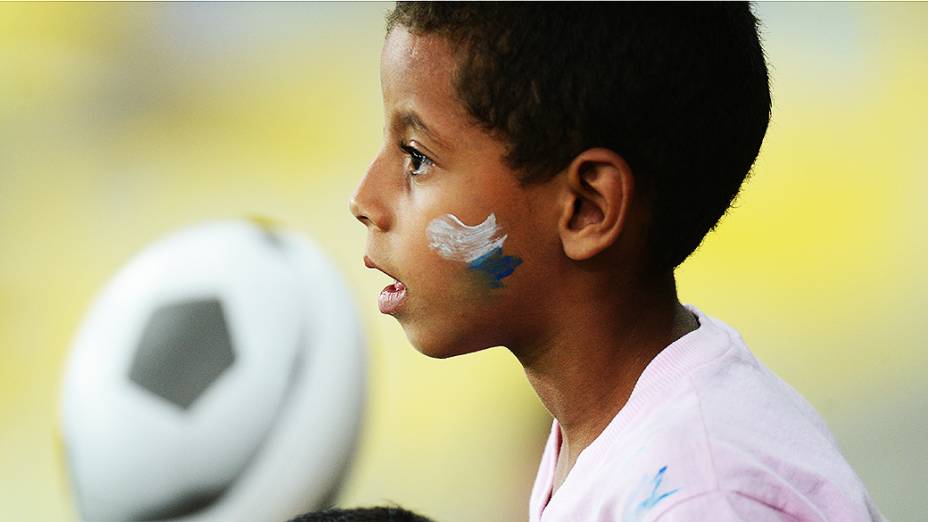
(436, 350)
(437, 346)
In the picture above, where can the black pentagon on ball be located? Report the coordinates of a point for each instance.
(184, 348)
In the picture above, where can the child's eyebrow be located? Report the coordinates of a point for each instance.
(410, 119)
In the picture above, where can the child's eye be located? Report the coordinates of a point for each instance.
(420, 162)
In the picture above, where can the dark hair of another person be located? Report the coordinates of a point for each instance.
(372, 514)
(679, 90)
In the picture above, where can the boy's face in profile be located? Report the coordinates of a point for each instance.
(447, 218)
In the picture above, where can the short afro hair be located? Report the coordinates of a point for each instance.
(679, 90)
(368, 514)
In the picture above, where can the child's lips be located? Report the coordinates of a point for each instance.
(392, 297)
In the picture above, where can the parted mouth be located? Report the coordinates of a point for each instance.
(393, 296)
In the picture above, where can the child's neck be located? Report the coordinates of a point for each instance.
(586, 366)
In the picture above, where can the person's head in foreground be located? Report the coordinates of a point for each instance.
(370, 514)
(545, 168)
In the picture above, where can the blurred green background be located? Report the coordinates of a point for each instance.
(121, 123)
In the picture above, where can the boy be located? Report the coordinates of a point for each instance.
(544, 170)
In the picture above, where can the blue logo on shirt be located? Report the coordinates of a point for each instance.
(647, 496)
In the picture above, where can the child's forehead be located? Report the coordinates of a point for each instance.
(418, 94)
(417, 68)
(428, 50)
(420, 98)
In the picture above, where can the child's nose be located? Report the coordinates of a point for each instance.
(357, 212)
(362, 214)
(366, 203)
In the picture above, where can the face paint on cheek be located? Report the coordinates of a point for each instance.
(480, 246)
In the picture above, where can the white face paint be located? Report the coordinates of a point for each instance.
(454, 240)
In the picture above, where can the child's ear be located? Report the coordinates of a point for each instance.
(596, 201)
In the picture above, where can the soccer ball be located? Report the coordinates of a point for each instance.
(219, 376)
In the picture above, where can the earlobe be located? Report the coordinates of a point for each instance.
(597, 197)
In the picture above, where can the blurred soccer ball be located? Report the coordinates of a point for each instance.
(219, 376)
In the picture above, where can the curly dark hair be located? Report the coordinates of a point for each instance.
(679, 90)
(369, 514)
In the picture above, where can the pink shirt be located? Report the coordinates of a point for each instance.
(709, 433)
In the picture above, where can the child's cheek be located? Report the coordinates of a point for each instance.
(479, 248)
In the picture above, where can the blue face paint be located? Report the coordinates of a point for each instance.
(495, 266)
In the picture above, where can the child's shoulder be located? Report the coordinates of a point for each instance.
(709, 425)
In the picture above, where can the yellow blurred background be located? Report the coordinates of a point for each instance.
(120, 123)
